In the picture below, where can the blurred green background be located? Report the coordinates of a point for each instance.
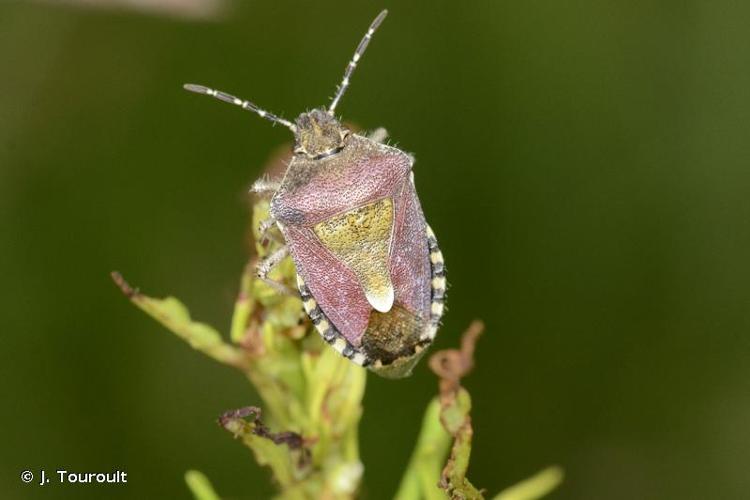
(585, 165)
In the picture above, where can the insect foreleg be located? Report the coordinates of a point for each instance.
(266, 266)
(264, 229)
(378, 135)
(265, 186)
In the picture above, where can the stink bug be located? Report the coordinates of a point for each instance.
(369, 271)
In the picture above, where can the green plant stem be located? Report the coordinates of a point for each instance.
(422, 475)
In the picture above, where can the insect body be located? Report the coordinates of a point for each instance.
(369, 271)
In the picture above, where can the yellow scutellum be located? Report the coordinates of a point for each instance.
(312, 398)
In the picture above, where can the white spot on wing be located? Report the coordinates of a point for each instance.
(381, 303)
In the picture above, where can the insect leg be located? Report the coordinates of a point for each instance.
(378, 135)
(265, 226)
(266, 265)
(265, 231)
(265, 186)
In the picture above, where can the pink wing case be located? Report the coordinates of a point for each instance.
(328, 192)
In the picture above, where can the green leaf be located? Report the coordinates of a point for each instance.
(243, 307)
(534, 487)
(200, 486)
(289, 462)
(173, 314)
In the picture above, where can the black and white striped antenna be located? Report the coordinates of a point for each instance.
(246, 105)
(250, 106)
(355, 59)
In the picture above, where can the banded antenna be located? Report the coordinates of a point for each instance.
(355, 59)
(246, 105)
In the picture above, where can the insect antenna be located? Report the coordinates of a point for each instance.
(355, 59)
(246, 105)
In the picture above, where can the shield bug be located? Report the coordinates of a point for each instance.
(369, 271)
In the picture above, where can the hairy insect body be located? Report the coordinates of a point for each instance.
(356, 231)
(369, 271)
